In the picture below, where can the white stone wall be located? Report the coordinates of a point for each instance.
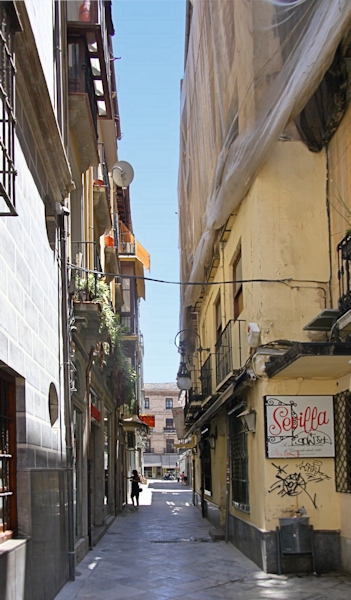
(41, 15)
(30, 317)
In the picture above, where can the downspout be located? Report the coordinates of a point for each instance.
(227, 482)
(88, 425)
(67, 398)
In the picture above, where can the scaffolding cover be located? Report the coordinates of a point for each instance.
(251, 68)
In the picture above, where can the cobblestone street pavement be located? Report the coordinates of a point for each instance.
(163, 550)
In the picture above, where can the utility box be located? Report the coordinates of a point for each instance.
(253, 335)
(295, 535)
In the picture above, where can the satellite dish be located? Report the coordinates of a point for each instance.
(122, 173)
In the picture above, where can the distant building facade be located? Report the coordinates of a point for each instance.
(160, 454)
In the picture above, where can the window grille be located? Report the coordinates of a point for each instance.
(7, 460)
(239, 466)
(7, 115)
(342, 425)
(207, 469)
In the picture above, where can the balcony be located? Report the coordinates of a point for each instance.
(149, 450)
(84, 257)
(82, 103)
(206, 377)
(229, 352)
(92, 22)
(169, 430)
(101, 195)
(169, 450)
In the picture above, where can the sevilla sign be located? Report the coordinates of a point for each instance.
(299, 426)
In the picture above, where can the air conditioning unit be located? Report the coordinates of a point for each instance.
(253, 335)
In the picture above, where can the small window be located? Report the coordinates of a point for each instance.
(238, 287)
(169, 402)
(147, 402)
(53, 404)
(169, 424)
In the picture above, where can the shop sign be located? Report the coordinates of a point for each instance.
(95, 413)
(148, 419)
(299, 426)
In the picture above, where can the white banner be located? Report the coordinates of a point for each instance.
(299, 426)
(178, 418)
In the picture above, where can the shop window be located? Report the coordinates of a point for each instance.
(239, 465)
(169, 402)
(8, 511)
(342, 425)
(238, 287)
(147, 402)
(206, 465)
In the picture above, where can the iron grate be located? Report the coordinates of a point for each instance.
(342, 424)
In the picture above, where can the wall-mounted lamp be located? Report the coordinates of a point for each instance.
(183, 377)
(184, 381)
(248, 419)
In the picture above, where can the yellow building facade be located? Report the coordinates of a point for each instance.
(264, 220)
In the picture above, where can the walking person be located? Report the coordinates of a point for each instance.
(135, 479)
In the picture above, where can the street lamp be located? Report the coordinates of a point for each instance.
(184, 376)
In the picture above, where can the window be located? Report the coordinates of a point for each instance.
(147, 402)
(169, 424)
(238, 287)
(169, 402)
(8, 514)
(169, 446)
(206, 462)
(342, 424)
(9, 24)
(239, 466)
(218, 318)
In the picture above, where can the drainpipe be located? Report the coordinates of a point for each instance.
(88, 425)
(67, 396)
(227, 482)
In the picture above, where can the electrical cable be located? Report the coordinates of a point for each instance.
(205, 283)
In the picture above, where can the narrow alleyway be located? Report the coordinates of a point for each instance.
(163, 550)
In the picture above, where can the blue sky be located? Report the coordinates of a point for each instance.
(149, 39)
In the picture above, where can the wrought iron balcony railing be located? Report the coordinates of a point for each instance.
(149, 450)
(223, 351)
(206, 377)
(170, 450)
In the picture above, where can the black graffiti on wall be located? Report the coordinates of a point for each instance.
(297, 482)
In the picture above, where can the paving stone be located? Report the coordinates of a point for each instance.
(168, 535)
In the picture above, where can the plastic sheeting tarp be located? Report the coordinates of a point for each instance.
(252, 65)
